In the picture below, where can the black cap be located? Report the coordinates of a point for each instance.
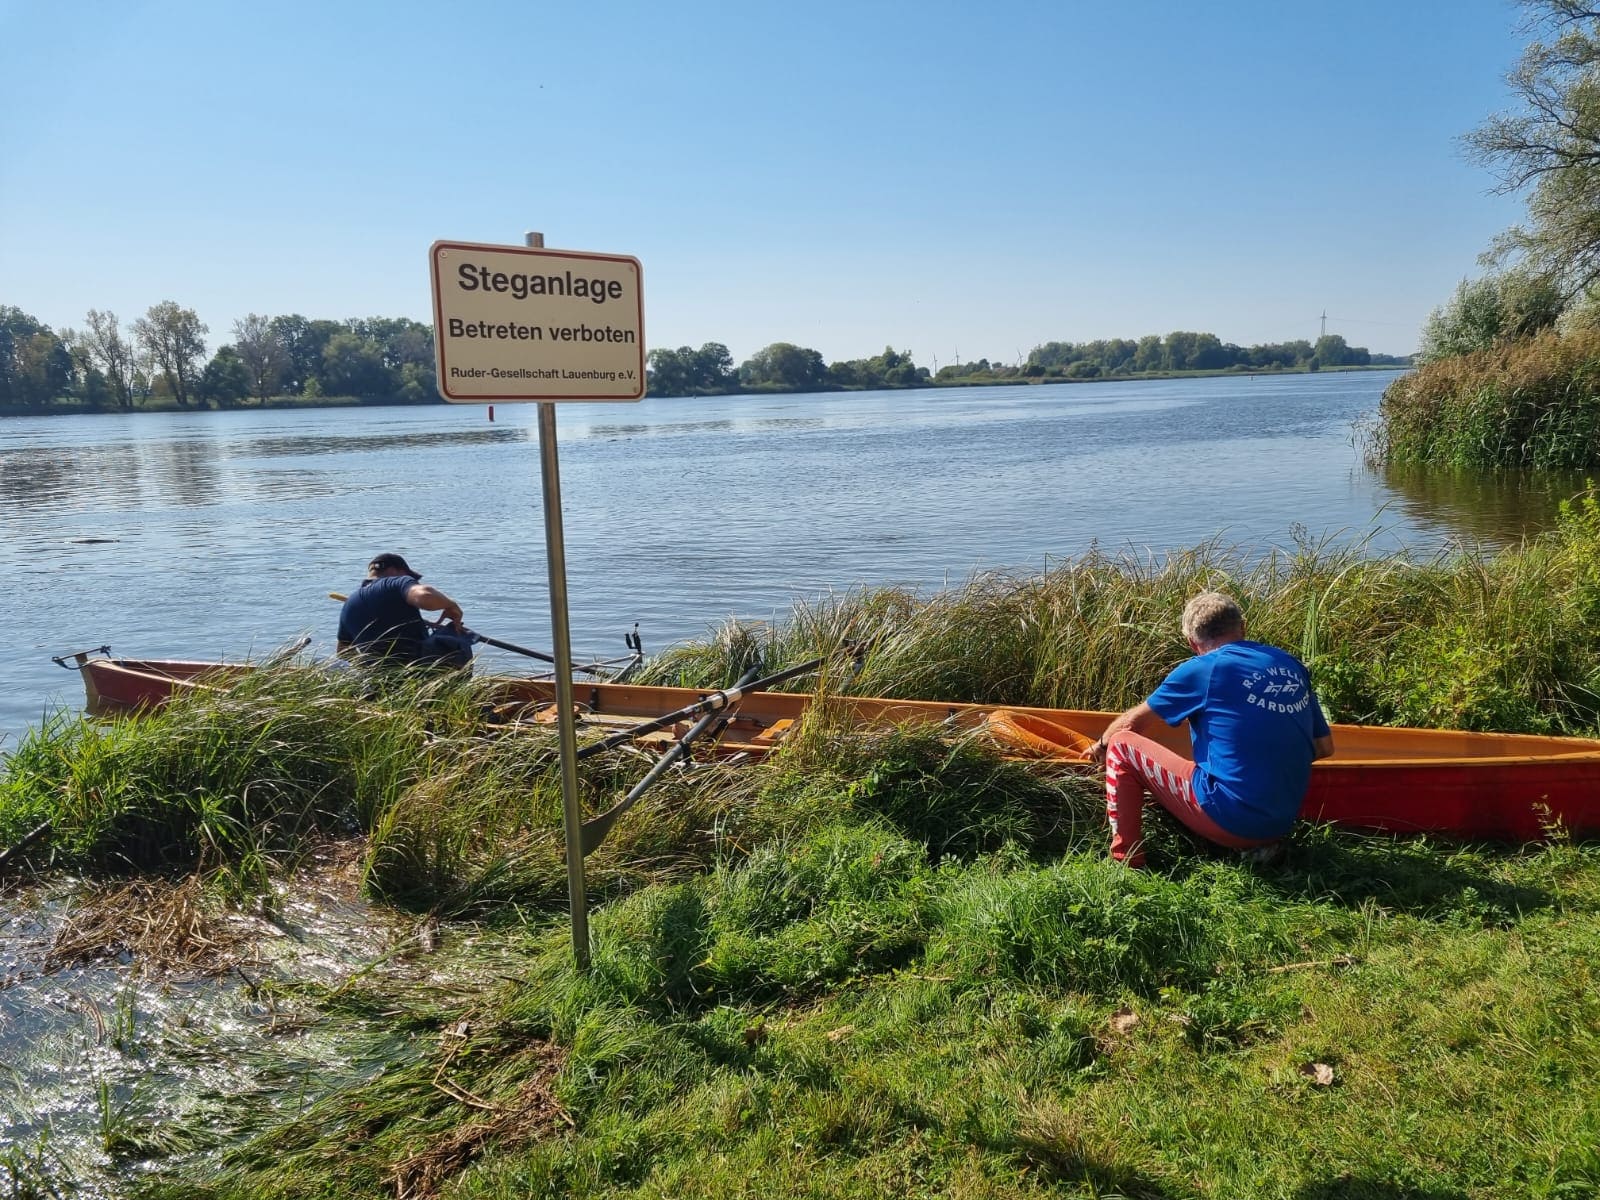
(385, 562)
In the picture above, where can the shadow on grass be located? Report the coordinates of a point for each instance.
(1430, 880)
(1422, 878)
(1068, 1164)
(1348, 1187)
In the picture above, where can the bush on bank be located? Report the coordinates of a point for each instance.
(1532, 402)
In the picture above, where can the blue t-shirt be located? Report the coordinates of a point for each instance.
(377, 619)
(1252, 715)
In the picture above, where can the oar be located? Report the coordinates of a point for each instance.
(715, 702)
(511, 646)
(594, 830)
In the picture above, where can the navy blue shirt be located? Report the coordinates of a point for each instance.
(1253, 717)
(377, 619)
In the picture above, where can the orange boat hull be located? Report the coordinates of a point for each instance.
(1474, 786)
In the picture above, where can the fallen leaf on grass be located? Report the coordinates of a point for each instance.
(1320, 1074)
(1123, 1020)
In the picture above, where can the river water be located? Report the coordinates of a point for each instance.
(220, 534)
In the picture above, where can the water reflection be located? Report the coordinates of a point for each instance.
(665, 430)
(346, 443)
(184, 471)
(1495, 509)
(49, 475)
(294, 484)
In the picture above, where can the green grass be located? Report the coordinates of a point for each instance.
(887, 963)
(836, 1015)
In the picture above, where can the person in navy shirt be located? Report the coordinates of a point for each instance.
(1256, 728)
(382, 619)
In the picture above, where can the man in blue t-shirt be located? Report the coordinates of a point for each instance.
(382, 619)
(1256, 728)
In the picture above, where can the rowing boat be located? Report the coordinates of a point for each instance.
(1475, 786)
(116, 686)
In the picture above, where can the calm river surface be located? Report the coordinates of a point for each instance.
(219, 535)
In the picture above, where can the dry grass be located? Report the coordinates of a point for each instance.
(161, 926)
(531, 1113)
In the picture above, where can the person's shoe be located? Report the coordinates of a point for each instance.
(1269, 855)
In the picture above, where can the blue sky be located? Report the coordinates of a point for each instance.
(974, 177)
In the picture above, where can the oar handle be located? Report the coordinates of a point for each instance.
(514, 648)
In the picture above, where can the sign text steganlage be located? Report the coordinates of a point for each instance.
(515, 323)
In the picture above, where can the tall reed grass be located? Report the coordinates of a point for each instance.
(459, 819)
(1529, 403)
(1469, 639)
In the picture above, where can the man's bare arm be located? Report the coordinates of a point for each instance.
(1322, 747)
(430, 599)
(1141, 718)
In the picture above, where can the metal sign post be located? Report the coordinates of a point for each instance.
(555, 552)
(571, 810)
(531, 324)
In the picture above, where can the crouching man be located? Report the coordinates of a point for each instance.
(1256, 727)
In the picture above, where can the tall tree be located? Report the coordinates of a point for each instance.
(43, 369)
(303, 341)
(15, 327)
(226, 379)
(174, 338)
(353, 366)
(261, 350)
(783, 365)
(110, 353)
(1550, 143)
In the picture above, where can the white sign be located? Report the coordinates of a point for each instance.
(515, 323)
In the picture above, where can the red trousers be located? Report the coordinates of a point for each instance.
(1136, 765)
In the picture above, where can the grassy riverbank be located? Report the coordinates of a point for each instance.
(888, 965)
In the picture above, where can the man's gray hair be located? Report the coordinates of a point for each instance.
(1212, 616)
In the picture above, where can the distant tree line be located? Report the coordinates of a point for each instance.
(1185, 351)
(780, 367)
(161, 358)
(786, 367)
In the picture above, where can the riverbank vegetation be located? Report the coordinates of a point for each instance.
(1511, 363)
(160, 364)
(889, 964)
